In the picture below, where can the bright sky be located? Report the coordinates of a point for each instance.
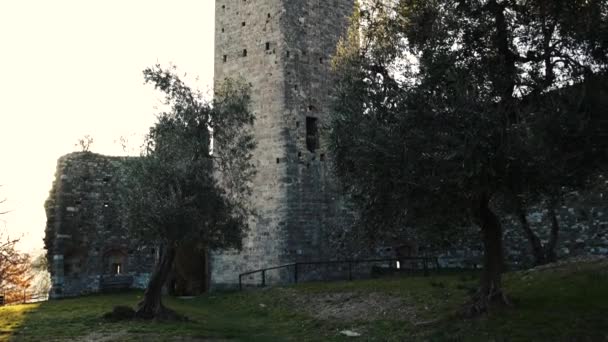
(69, 68)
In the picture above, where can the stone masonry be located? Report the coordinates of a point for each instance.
(86, 234)
(283, 49)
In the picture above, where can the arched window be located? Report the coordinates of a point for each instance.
(115, 261)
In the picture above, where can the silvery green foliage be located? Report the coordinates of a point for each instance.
(177, 190)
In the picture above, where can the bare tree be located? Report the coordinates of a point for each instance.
(85, 143)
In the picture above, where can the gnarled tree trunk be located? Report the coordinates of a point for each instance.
(550, 254)
(490, 292)
(151, 307)
(542, 254)
(537, 247)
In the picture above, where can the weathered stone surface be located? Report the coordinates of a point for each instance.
(86, 238)
(583, 229)
(283, 48)
(583, 232)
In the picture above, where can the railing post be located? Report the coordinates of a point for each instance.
(263, 278)
(295, 273)
(350, 271)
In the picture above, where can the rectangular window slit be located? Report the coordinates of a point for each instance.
(312, 134)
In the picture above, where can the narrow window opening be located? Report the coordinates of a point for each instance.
(278, 160)
(116, 269)
(223, 30)
(243, 24)
(321, 60)
(287, 54)
(225, 58)
(295, 87)
(244, 52)
(322, 157)
(268, 15)
(312, 134)
(267, 46)
(223, 6)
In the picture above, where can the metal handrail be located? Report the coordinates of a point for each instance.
(267, 269)
(426, 262)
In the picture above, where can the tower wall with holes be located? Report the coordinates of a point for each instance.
(283, 48)
(87, 239)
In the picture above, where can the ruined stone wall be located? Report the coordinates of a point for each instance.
(583, 221)
(86, 233)
(283, 48)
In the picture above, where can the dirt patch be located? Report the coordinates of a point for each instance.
(104, 336)
(123, 335)
(575, 264)
(351, 306)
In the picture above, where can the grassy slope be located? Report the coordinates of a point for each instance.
(565, 303)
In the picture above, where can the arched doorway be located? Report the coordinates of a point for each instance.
(190, 272)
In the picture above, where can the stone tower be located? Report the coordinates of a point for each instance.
(283, 48)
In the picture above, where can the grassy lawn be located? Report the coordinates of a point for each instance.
(565, 303)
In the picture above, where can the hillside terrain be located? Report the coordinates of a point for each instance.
(566, 301)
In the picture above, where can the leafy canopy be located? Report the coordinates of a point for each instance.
(182, 188)
(443, 103)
